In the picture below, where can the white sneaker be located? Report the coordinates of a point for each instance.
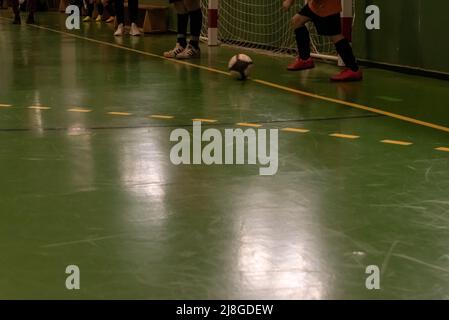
(174, 52)
(134, 30)
(189, 53)
(120, 30)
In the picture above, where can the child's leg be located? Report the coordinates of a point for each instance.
(100, 8)
(302, 35)
(90, 8)
(133, 7)
(109, 7)
(303, 61)
(15, 7)
(31, 8)
(344, 49)
(196, 21)
(120, 10)
(183, 21)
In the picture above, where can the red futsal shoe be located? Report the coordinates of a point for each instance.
(348, 75)
(300, 64)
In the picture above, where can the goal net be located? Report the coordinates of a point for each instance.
(264, 25)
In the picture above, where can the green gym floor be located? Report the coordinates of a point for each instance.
(86, 177)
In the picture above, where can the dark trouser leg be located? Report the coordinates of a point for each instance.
(120, 9)
(100, 8)
(90, 8)
(183, 21)
(133, 8)
(196, 22)
(15, 7)
(110, 8)
(31, 6)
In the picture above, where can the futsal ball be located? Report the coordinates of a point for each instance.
(240, 66)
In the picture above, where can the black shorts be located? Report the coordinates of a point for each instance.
(325, 26)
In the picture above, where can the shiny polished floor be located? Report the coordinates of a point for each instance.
(86, 177)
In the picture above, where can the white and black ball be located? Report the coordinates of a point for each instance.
(240, 66)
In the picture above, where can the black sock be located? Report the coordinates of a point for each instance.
(183, 21)
(303, 42)
(344, 49)
(196, 22)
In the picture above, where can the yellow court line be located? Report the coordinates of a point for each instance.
(296, 130)
(266, 83)
(344, 136)
(159, 116)
(39, 108)
(246, 124)
(355, 105)
(397, 142)
(132, 50)
(444, 149)
(205, 120)
(3, 105)
(119, 113)
(79, 110)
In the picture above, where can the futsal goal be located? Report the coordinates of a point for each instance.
(264, 25)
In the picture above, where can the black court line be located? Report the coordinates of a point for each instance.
(184, 125)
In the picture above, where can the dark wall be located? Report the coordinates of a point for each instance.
(413, 33)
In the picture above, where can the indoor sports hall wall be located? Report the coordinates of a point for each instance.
(413, 33)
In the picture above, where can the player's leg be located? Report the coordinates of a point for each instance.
(90, 10)
(100, 8)
(31, 8)
(133, 7)
(16, 9)
(183, 21)
(196, 22)
(109, 7)
(344, 49)
(120, 15)
(331, 26)
(302, 36)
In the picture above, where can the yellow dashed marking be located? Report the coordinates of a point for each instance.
(39, 108)
(396, 142)
(266, 83)
(3, 105)
(159, 116)
(79, 110)
(296, 130)
(205, 120)
(344, 136)
(273, 85)
(246, 124)
(119, 113)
